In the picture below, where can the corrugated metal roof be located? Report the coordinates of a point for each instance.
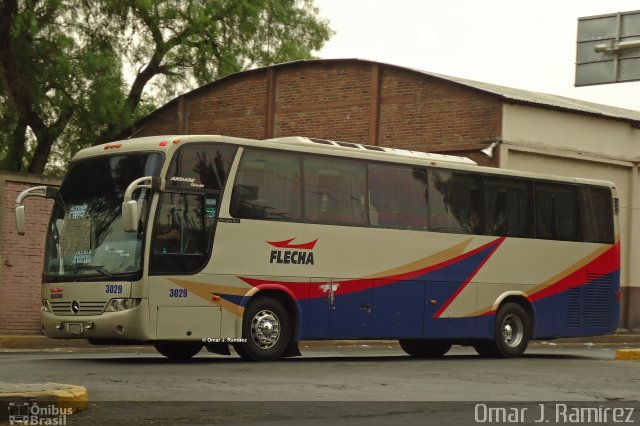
(543, 99)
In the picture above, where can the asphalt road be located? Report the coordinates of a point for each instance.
(341, 385)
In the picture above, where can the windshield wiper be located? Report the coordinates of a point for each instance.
(97, 268)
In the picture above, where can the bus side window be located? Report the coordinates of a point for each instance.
(508, 207)
(267, 186)
(335, 191)
(397, 197)
(201, 165)
(557, 212)
(455, 202)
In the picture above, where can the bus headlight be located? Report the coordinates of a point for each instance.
(46, 306)
(117, 305)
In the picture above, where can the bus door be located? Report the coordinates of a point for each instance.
(181, 246)
(182, 241)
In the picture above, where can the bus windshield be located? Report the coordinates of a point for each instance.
(85, 240)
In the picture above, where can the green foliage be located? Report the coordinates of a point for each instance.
(74, 73)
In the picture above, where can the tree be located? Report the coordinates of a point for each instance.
(74, 73)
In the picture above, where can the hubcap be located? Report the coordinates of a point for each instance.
(265, 329)
(512, 330)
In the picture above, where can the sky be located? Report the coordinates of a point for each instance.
(524, 44)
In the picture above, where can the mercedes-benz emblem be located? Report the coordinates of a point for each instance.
(75, 307)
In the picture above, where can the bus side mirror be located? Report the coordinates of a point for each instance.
(130, 216)
(20, 220)
(36, 191)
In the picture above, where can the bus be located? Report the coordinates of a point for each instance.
(185, 242)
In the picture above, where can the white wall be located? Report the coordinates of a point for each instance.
(579, 133)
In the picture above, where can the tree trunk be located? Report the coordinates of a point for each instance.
(40, 157)
(17, 148)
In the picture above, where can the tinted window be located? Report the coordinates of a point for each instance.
(455, 202)
(508, 207)
(107, 176)
(557, 212)
(182, 233)
(201, 166)
(267, 186)
(597, 214)
(85, 235)
(397, 197)
(335, 191)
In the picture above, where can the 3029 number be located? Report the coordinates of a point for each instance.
(113, 289)
(178, 292)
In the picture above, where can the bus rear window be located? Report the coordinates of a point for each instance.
(597, 215)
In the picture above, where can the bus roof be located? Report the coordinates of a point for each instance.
(169, 143)
(347, 149)
(353, 148)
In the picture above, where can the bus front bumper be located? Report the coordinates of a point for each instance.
(131, 324)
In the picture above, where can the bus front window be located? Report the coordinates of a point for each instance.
(85, 240)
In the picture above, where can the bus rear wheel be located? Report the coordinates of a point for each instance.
(266, 329)
(425, 348)
(512, 331)
(178, 351)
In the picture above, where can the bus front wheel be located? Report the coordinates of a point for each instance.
(512, 331)
(425, 348)
(266, 330)
(178, 351)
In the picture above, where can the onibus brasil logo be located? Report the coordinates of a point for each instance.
(30, 413)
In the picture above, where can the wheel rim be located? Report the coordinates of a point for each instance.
(512, 330)
(265, 329)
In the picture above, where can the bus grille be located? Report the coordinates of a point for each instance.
(591, 305)
(86, 308)
(598, 301)
(573, 307)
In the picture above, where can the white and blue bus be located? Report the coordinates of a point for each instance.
(187, 242)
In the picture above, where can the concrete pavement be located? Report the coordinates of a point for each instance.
(76, 397)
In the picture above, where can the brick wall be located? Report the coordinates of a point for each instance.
(21, 256)
(164, 121)
(425, 113)
(348, 100)
(324, 100)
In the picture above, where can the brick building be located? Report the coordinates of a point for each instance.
(380, 104)
(21, 256)
(351, 100)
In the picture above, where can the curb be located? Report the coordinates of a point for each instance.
(60, 395)
(628, 354)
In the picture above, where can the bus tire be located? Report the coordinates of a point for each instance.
(511, 331)
(425, 348)
(266, 328)
(178, 351)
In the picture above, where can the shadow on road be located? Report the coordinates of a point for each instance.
(218, 359)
